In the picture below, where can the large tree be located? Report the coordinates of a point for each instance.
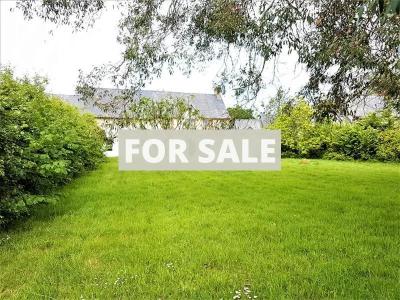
(350, 48)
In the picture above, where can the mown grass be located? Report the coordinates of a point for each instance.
(317, 229)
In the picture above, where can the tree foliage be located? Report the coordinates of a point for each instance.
(240, 112)
(168, 113)
(350, 48)
(270, 109)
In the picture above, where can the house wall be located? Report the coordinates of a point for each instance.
(248, 124)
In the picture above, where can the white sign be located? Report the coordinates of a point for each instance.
(199, 150)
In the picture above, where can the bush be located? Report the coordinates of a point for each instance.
(381, 120)
(301, 137)
(388, 148)
(44, 143)
(355, 142)
(336, 156)
(375, 137)
(389, 145)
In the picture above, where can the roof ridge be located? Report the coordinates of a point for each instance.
(210, 105)
(159, 91)
(145, 90)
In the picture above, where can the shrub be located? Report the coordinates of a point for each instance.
(44, 143)
(301, 137)
(389, 144)
(336, 156)
(380, 120)
(354, 141)
(374, 137)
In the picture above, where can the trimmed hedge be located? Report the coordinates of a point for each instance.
(44, 143)
(375, 137)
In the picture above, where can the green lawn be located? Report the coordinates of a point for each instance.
(317, 229)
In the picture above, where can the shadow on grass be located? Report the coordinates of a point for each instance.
(59, 204)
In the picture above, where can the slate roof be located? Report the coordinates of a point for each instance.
(211, 106)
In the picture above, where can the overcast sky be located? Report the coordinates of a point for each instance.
(35, 47)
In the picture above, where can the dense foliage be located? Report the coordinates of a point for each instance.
(374, 137)
(238, 112)
(44, 143)
(350, 48)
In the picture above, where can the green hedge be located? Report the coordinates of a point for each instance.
(44, 143)
(375, 137)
